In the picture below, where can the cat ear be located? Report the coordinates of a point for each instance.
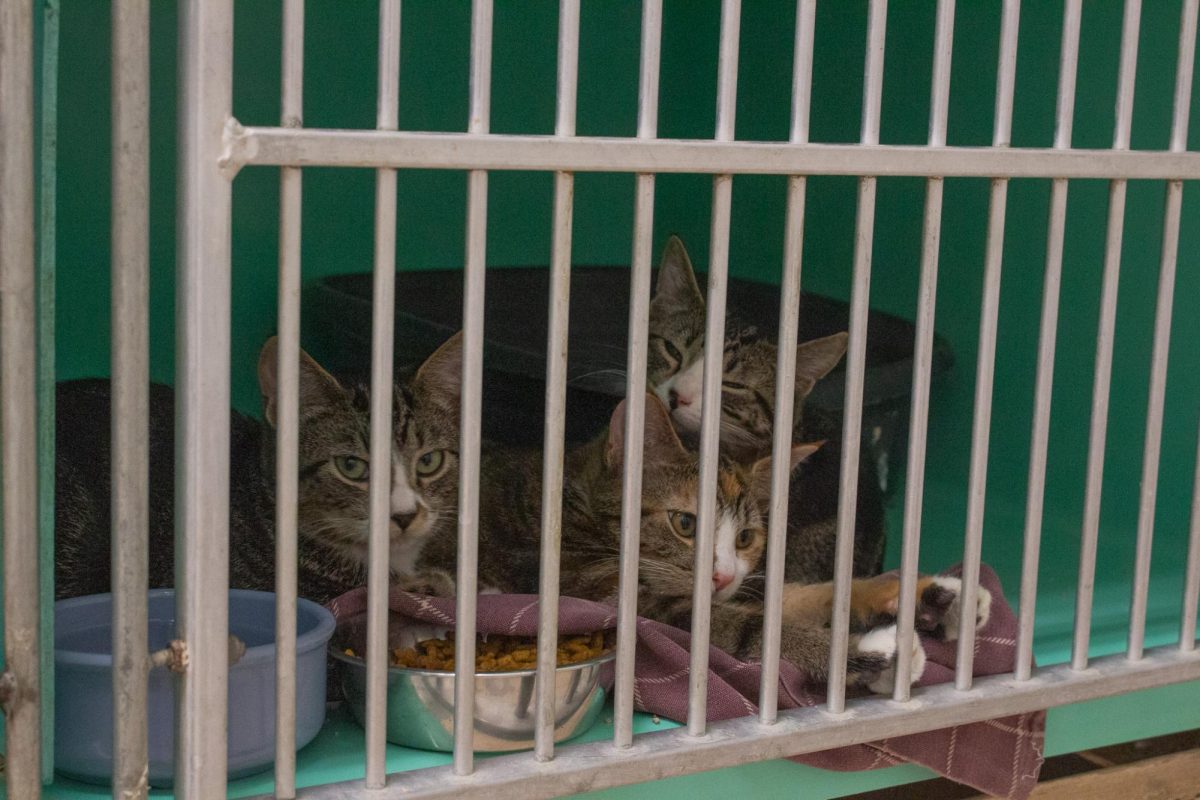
(441, 374)
(317, 387)
(814, 360)
(761, 471)
(676, 278)
(659, 442)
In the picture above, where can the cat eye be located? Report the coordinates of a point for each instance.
(430, 463)
(735, 386)
(351, 467)
(684, 524)
(745, 538)
(673, 351)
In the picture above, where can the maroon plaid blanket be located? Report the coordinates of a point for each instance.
(1001, 757)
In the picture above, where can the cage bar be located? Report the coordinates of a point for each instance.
(202, 308)
(1104, 342)
(472, 383)
(18, 403)
(714, 352)
(989, 312)
(635, 391)
(556, 388)
(923, 353)
(590, 767)
(287, 414)
(382, 325)
(1162, 336)
(130, 391)
(1040, 437)
(785, 371)
(856, 362)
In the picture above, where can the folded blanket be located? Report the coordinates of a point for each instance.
(1000, 757)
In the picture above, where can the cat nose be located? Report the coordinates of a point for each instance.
(405, 519)
(678, 400)
(721, 580)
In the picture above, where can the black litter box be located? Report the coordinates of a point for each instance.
(429, 307)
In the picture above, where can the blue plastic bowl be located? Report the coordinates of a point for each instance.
(83, 716)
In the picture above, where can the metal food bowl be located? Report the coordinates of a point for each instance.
(420, 702)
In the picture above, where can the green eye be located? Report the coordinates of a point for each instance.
(745, 538)
(351, 467)
(684, 523)
(430, 463)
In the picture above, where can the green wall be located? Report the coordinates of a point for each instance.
(340, 91)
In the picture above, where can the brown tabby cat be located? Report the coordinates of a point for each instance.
(675, 370)
(334, 430)
(509, 548)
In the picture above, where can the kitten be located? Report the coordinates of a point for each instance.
(334, 432)
(509, 547)
(675, 371)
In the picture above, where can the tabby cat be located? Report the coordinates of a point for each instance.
(509, 532)
(675, 371)
(334, 428)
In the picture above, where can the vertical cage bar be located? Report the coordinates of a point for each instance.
(18, 401)
(130, 391)
(1040, 438)
(556, 388)
(989, 311)
(1191, 590)
(1104, 343)
(785, 371)
(382, 344)
(471, 410)
(287, 419)
(1162, 337)
(856, 362)
(923, 353)
(202, 306)
(635, 392)
(714, 351)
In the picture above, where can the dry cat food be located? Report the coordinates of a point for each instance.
(499, 653)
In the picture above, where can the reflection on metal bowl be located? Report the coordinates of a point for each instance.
(420, 703)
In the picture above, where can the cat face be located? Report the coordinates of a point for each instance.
(335, 463)
(675, 363)
(670, 498)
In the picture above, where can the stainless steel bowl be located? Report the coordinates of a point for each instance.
(420, 709)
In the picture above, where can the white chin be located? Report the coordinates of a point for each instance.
(686, 420)
(726, 593)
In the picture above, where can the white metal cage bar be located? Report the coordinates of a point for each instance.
(130, 391)
(635, 392)
(471, 407)
(856, 360)
(1173, 206)
(785, 370)
(1104, 342)
(986, 359)
(382, 344)
(1191, 584)
(18, 405)
(923, 353)
(1047, 337)
(202, 309)
(714, 354)
(287, 405)
(556, 389)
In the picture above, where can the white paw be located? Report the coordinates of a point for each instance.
(881, 642)
(953, 613)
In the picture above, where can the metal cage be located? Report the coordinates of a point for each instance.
(214, 147)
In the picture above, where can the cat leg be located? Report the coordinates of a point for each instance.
(939, 607)
(433, 582)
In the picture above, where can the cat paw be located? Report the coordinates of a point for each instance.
(939, 608)
(872, 663)
(434, 582)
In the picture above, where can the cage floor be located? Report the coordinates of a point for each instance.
(337, 753)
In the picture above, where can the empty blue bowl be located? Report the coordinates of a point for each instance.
(83, 714)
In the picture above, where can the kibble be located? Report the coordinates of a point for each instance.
(499, 653)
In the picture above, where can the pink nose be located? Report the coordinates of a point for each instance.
(678, 400)
(720, 581)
